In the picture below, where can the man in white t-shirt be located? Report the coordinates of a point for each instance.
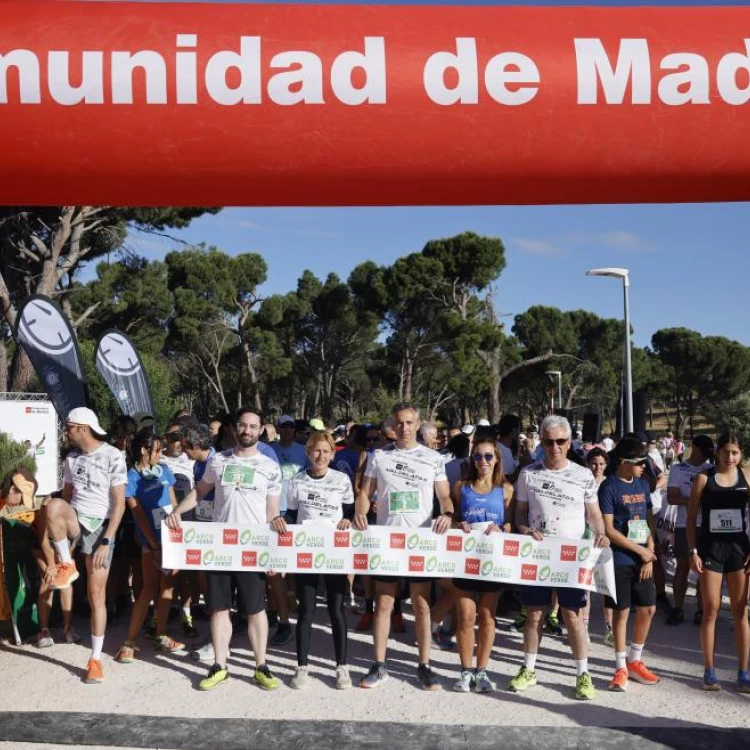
(405, 476)
(556, 498)
(89, 513)
(246, 488)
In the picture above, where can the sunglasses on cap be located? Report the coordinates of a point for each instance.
(486, 456)
(635, 461)
(554, 441)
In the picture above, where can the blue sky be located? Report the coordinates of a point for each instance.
(689, 264)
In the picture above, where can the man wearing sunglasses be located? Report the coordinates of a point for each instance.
(556, 498)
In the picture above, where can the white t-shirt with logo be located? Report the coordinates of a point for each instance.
(405, 484)
(320, 498)
(92, 475)
(242, 486)
(182, 468)
(682, 477)
(557, 498)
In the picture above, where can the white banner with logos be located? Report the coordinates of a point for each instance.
(386, 550)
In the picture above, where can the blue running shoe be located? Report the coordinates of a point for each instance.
(710, 680)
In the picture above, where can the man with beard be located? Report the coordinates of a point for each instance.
(246, 488)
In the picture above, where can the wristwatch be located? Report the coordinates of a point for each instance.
(106, 541)
(448, 513)
(694, 551)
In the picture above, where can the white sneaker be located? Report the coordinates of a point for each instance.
(343, 680)
(483, 684)
(206, 653)
(44, 639)
(301, 679)
(464, 682)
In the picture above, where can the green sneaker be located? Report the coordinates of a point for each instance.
(585, 690)
(524, 679)
(265, 679)
(216, 675)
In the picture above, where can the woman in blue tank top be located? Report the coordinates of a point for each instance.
(482, 501)
(722, 494)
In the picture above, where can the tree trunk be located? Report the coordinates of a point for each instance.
(22, 372)
(3, 365)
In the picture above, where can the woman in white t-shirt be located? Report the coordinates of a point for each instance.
(321, 495)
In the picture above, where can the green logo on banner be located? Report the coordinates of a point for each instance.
(245, 536)
(208, 557)
(526, 549)
(412, 541)
(544, 573)
(189, 536)
(263, 560)
(299, 538)
(320, 560)
(356, 538)
(583, 553)
(487, 566)
(469, 544)
(431, 563)
(374, 562)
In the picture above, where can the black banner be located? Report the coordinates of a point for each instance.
(50, 343)
(119, 364)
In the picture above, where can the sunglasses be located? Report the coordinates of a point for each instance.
(554, 441)
(172, 436)
(634, 461)
(486, 456)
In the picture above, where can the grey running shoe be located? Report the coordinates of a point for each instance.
(464, 682)
(301, 679)
(343, 680)
(377, 675)
(428, 680)
(44, 639)
(483, 683)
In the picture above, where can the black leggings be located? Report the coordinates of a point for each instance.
(307, 587)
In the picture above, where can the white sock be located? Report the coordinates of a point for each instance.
(620, 660)
(582, 665)
(636, 652)
(435, 626)
(63, 549)
(529, 661)
(186, 611)
(97, 642)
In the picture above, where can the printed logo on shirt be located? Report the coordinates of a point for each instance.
(341, 539)
(510, 547)
(175, 535)
(192, 557)
(249, 558)
(528, 572)
(285, 539)
(231, 536)
(472, 566)
(304, 559)
(416, 564)
(361, 562)
(398, 541)
(454, 544)
(568, 552)
(585, 576)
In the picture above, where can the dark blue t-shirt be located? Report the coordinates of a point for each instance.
(626, 502)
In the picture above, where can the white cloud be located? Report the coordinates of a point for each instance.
(536, 247)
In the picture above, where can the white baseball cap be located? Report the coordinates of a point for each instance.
(468, 429)
(483, 423)
(84, 415)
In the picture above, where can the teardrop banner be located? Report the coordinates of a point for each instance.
(221, 104)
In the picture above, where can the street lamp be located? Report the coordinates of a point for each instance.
(623, 273)
(556, 374)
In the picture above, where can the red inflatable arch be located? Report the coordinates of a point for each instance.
(193, 104)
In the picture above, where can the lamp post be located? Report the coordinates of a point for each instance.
(624, 275)
(556, 374)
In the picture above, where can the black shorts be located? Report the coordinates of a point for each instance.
(477, 587)
(724, 557)
(402, 580)
(541, 596)
(251, 591)
(630, 591)
(681, 548)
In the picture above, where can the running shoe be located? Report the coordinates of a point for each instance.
(525, 678)
(676, 617)
(66, 574)
(377, 675)
(609, 637)
(398, 624)
(641, 673)
(343, 680)
(216, 675)
(483, 684)
(94, 672)
(188, 629)
(443, 640)
(365, 622)
(71, 634)
(698, 617)
(300, 680)
(552, 622)
(428, 680)
(743, 681)
(520, 622)
(464, 682)
(264, 679)
(44, 639)
(126, 654)
(283, 635)
(585, 690)
(710, 680)
(204, 652)
(619, 683)
(168, 645)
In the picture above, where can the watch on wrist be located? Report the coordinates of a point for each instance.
(106, 542)
(448, 513)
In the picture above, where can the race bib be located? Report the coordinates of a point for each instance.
(89, 522)
(204, 511)
(726, 521)
(238, 475)
(638, 531)
(159, 514)
(406, 501)
(548, 525)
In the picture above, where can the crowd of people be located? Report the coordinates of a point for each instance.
(404, 473)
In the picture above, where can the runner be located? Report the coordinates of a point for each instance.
(556, 498)
(723, 552)
(89, 513)
(481, 500)
(150, 497)
(247, 486)
(404, 475)
(321, 495)
(625, 502)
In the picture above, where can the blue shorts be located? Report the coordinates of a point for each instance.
(541, 596)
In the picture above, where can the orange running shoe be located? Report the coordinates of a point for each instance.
(365, 622)
(94, 672)
(641, 673)
(398, 624)
(66, 574)
(619, 683)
